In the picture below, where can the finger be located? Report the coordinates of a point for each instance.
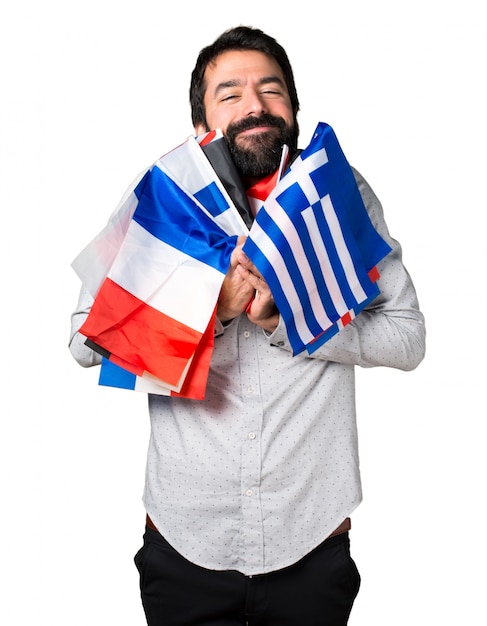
(244, 261)
(254, 279)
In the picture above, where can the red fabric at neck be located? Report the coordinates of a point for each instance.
(263, 187)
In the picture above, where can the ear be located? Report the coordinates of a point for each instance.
(199, 129)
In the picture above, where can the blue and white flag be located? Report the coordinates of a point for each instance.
(315, 245)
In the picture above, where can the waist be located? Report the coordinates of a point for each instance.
(344, 527)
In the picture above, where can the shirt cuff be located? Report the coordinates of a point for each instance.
(279, 336)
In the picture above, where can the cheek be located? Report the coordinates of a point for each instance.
(218, 120)
(285, 112)
(221, 116)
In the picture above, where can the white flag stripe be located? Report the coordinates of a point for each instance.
(176, 162)
(281, 218)
(148, 386)
(156, 385)
(147, 268)
(93, 263)
(342, 249)
(269, 249)
(325, 264)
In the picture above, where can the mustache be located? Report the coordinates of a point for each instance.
(266, 119)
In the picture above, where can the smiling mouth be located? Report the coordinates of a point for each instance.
(257, 130)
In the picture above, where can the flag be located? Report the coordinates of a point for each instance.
(188, 166)
(190, 171)
(194, 385)
(315, 245)
(159, 296)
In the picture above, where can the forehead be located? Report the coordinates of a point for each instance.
(241, 66)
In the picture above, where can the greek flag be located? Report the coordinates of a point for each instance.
(315, 245)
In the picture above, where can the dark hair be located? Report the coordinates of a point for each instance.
(239, 38)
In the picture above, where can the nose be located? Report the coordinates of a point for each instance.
(254, 104)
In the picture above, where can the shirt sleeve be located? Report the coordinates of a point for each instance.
(83, 355)
(390, 331)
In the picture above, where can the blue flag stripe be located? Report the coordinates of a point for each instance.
(112, 375)
(170, 215)
(212, 199)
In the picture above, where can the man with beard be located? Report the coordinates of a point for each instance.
(248, 493)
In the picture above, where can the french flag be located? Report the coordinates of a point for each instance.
(191, 170)
(315, 245)
(153, 313)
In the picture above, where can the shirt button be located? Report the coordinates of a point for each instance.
(248, 492)
(246, 334)
(250, 389)
(252, 435)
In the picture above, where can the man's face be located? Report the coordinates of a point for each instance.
(246, 96)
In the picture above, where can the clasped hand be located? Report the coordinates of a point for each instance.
(244, 289)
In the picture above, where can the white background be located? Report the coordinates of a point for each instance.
(95, 91)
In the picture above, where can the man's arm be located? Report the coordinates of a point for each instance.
(84, 356)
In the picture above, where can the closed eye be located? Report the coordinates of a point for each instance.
(228, 97)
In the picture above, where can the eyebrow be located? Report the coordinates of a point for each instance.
(238, 83)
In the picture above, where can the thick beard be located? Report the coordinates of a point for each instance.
(262, 152)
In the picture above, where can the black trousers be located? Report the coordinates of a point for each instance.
(319, 590)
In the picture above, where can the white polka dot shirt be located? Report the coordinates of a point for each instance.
(262, 470)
